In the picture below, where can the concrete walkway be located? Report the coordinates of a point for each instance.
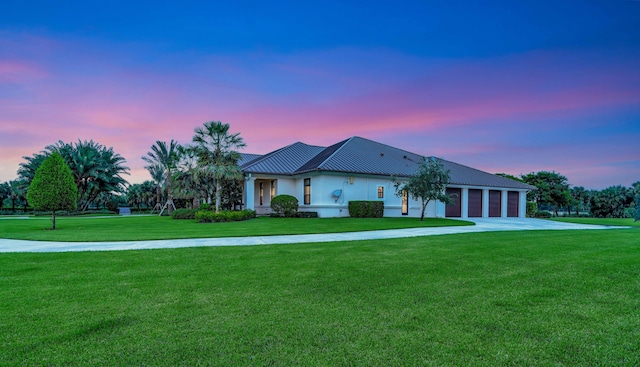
(482, 225)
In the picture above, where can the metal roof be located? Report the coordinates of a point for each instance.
(358, 155)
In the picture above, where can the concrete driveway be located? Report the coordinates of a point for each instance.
(482, 225)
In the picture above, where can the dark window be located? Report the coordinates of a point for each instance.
(307, 191)
(405, 202)
(273, 188)
(261, 192)
(380, 192)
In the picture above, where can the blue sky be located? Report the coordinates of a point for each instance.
(501, 86)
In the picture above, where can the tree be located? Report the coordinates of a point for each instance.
(553, 189)
(53, 187)
(580, 198)
(18, 193)
(164, 158)
(216, 150)
(5, 192)
(95, 168)
(611, 202)
(428, 183)
(636, 212)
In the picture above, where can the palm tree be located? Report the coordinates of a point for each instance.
(165, 157)
(216, 151)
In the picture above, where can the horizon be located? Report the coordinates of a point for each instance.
(500, 87)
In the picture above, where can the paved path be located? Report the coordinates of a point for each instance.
(482, 225)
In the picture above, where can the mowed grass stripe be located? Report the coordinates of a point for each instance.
(135, 228)
(487, 299)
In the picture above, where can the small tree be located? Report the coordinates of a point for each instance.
(285, 205)
(53, 187)
(428, 183)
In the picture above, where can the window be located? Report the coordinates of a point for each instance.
(380, 192)
(261, 192)
(307, 191)
(405, 202)
(273, 188)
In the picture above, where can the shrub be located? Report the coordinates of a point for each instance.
(206, 206)
(207, 216)
(532, 209)
(286, 205)
(184, 214)
(366, 209)
(543, 214)
(307, 215)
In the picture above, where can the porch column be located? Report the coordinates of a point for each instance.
(504, 205)
(522, 207)
(485, 203)
(249, 193)
(464, 202)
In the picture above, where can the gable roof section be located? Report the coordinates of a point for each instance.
(284, 160)
(247, 157)
(463, 175)
(357, 155)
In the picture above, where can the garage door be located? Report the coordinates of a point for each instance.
(475, 203)
(495, 203)
(454, 210)
(513, 202)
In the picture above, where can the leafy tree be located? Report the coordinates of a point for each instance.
(636, 212)
(611, 202)
(163, 159)
(511, 177)
(428, 183)
(553, 189)
(95, 168)
(580, 198)
(18, 193)
(5, 192)
(216, 149)
(53, 187)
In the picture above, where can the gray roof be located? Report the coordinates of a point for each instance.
(357, 155)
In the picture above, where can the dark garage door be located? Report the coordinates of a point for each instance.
(513, 202)
(454, 210)
(495, 203)
(475, 203)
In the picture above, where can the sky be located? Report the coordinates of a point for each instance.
(503, 86)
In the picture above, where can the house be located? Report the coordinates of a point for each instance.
(325, 179)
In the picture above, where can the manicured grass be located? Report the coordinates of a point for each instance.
(601, 221)
(153, 227)
(556, 298)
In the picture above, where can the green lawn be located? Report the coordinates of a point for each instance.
(601, 221)
(556, 298)
(153, 227)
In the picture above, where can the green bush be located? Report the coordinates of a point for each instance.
(184, 214)
(307, 215)
(543, 214)
(366, 209)
(286, 205)
(532, 209)
(206, 206)
(207, 216)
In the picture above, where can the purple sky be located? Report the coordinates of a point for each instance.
(497, 86)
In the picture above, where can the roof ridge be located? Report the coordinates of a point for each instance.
(344, 142)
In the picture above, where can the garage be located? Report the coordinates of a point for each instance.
(495, 203)
(513, 203)
(454, 210)
(475, 203)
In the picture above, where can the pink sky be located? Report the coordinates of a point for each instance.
(516, 113)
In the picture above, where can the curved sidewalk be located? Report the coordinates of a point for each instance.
(482, 225)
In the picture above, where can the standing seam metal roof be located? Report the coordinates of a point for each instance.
(362, 156)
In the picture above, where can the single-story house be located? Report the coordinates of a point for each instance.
(325, 179)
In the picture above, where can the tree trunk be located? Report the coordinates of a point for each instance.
(53, 219)
(424, 207)
(218, 189)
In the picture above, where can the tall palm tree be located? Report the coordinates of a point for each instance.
(217, 151)
(165, 156)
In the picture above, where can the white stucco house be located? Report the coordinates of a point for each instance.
(325, 179)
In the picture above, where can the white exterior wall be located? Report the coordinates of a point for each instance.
(359, 188)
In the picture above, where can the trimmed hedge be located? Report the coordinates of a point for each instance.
(543, 214)
(206, 216)
(366, 209)
(532, 209)
(184, 214)
(286, 205)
